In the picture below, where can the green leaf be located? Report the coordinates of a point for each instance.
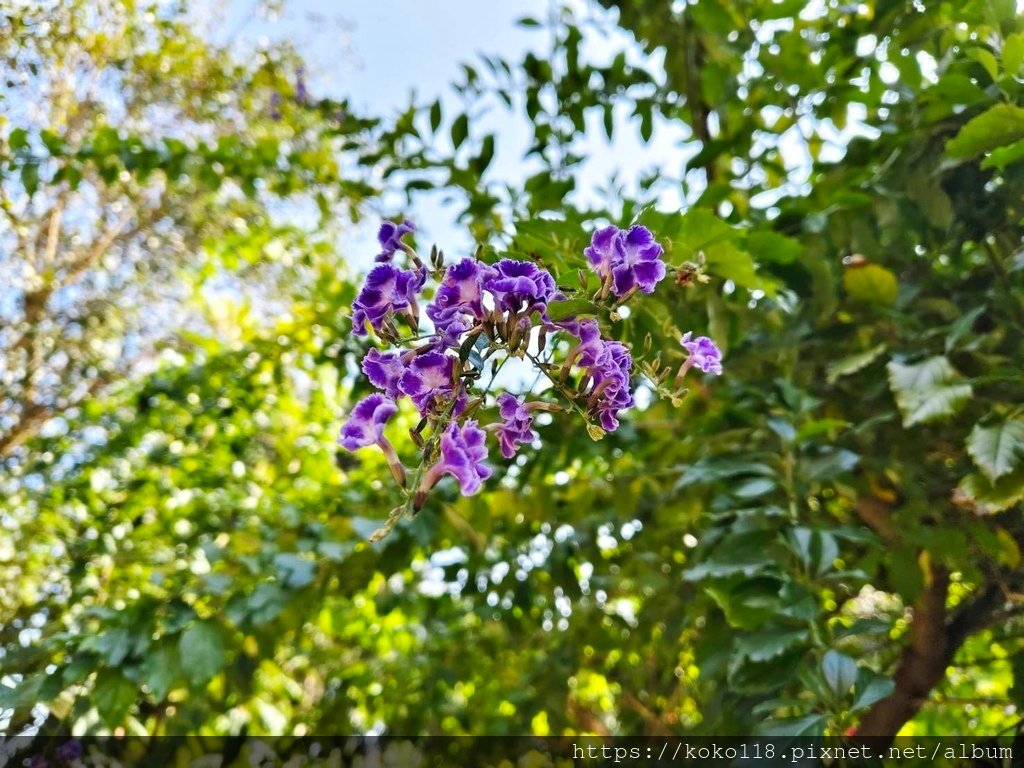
(435, 116)
(871, 284)
(998, 126)
(729, 262)
(483, 160)
(18, 139)
(460, 130)
(927, 193)
(927, 391)
(839, 671)
(161, 670)
(998, 449)
(747, 603)
(853, 363)
(990, 497)
(560, 310)
(874, 690)
(773, 247)
(203, 652)
(986, 58)
(745, 553)
(1004, 156)
(113, 696)
(24, 694)
(817, 427)
(767, 644)
(687, 234)
(1013, 54)
(293, 570)
(30, 177)
(811, 725)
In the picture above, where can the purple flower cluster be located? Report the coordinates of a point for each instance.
(627, 260)
(516, 427)
(519, 288)
(463, 453)
(607, 366)
(459, 301)
(388, 290)
(494, 307)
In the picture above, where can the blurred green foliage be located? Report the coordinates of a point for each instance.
(828, 537)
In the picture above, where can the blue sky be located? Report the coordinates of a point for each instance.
(383, 54)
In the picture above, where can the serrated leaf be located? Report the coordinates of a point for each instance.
(927, 391)
(113, 696)
(999, 496)
(871, 284)
(839, 671)
(853, 363)
(998, 126)
(997, 449)
(203, 651)
(746, 553)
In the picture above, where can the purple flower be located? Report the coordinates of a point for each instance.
(601, 253)
(365, 425)
(521, 286)
(517, 428)
(608, 365)
(704, 354)
(459, 295)
(610, 392)
(384, 370)
(428, 377)
(301, 92)
(387, 290)
(627, 260)
(463, 453)
(390, 238)
(70, 751)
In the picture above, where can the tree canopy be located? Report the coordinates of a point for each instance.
(825, 539)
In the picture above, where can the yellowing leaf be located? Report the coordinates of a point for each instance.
(990, 498)
(870, 283)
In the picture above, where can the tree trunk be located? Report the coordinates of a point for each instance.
(934, 642)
